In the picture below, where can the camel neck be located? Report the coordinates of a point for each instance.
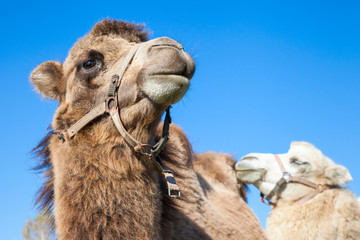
(317, 214)
(103, 189)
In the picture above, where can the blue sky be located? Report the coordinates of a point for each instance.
(268, 73)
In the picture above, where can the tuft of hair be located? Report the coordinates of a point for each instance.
(45, 194)
(130, 31)
(220, 166)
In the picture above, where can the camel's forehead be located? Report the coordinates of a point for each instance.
(105, 34)
(303, 147)
(308, 152)
(106, 45)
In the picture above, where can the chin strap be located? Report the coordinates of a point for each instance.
(110, 106)
(287, 178)
(151, 152)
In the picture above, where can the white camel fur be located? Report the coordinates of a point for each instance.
(332, 214)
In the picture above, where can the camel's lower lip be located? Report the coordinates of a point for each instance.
(249, 176)
(169, 77)
(165, 89)
(247, 170)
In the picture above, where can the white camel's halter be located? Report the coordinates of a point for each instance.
(288, 178)
(110, 106)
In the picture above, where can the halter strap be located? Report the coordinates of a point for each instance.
(101, 108)
(110, 105)
(281, 165)
(286, 178)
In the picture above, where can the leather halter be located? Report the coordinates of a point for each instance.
(286, 178)
(110, 106)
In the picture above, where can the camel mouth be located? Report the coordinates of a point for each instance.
(169, 77)
(250, 176)
(165, 89)
(244, 171)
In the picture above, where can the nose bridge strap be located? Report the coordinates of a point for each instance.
(281, 165)
(127, 60)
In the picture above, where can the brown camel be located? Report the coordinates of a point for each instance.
(101, 182)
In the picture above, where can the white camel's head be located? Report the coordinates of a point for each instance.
(302, 160)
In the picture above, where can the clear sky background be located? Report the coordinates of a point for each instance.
(268, 73)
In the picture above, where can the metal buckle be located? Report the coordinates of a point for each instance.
(141, 148)
(115, 82)
(108, 101)
(286, 176)
(174, 193)
(321, 187)
(173, 189)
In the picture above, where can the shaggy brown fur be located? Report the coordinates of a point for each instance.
(128, 31)
(101, 188)
(220, 167)
(210, 190)
(210, 195)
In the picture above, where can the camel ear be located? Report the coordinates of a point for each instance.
(338, 175)
(48, 79)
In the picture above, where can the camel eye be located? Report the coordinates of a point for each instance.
(89, 64)
(296, 161)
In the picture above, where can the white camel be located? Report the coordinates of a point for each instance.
(304, 187)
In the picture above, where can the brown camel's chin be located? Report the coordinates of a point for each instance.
(165, 89)
(250, 176)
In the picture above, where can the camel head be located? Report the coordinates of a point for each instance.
(157, 75)
(302, 160)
